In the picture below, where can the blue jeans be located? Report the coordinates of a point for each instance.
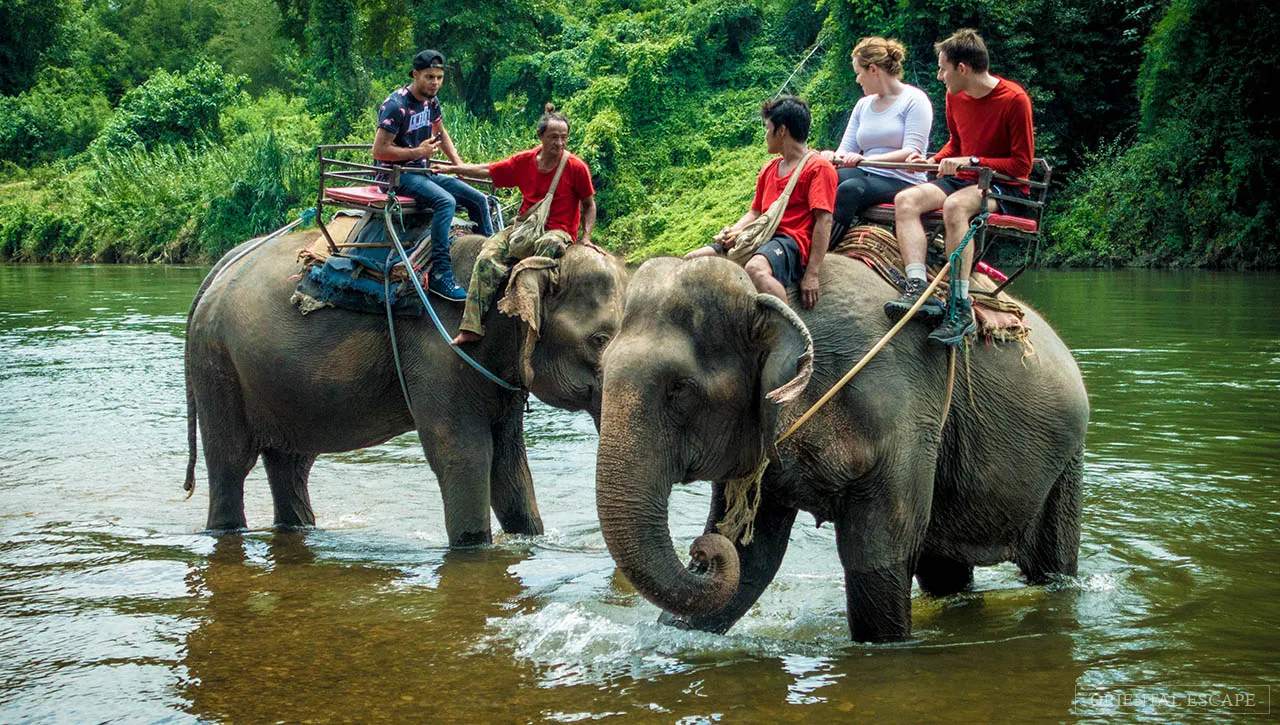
(443, 194)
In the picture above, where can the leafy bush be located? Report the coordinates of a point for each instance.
(171, 108)
(31, 231)
(1195, 188)
(54, 120)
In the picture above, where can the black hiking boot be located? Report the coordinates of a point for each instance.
(958, 325)
(932, 309)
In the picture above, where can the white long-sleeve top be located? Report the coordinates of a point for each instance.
(904, 125)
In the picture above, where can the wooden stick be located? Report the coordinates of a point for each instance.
(870, 353)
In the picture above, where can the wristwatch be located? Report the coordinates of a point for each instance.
(973, 160)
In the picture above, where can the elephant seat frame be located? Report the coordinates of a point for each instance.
(368, 188)
(1019, 229)
(380, 200)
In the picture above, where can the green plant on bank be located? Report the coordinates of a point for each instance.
(1196, 186)
(170, 108)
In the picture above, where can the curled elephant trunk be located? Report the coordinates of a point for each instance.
(632, 492)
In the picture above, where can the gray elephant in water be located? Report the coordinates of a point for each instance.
(705, 374)
(264, 380)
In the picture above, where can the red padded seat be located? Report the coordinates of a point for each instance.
(374, 196)
(1003, 221)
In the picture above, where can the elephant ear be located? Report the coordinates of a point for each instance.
(532, 280)
(787, 351)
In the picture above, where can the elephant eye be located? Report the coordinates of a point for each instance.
(681, 394)
(600, 339)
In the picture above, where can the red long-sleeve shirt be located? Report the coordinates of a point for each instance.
(996, 128)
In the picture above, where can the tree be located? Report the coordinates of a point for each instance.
(337, 84)
(474, 40)
(27, 28)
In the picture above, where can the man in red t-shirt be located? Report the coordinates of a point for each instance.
(989, 118)
(796, 251)
(573, 207)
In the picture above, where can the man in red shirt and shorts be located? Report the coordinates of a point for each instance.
(796, 251)
(989, 118)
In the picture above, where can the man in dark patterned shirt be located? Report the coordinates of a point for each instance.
(410, 131)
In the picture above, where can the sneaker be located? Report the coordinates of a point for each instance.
(958, 325)
(444, 285)
(932, 309)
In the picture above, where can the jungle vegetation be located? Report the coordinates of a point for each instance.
(170, 130)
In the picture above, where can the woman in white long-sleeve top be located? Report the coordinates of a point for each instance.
(889, 123)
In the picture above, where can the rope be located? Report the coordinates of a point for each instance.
(978, 222)
(742, 500)
(304, 218)
(812, 50)
(391, 330)
(422, 294)
(951, 387)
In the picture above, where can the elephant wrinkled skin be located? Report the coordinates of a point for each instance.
(696, 387)
(263, 379)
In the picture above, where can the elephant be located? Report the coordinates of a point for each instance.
(703, 376)
(264, 380)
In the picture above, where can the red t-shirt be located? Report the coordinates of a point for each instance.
(521, 171)
(816, 189)
(996, 128)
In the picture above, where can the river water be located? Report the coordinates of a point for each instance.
(115, 607)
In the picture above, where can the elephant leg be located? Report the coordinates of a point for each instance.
(879, 540)
(758, 562)
(1052, 546)
(460, 452)
(940, 576)
(288, 473)
(510, 484)
(229, 452)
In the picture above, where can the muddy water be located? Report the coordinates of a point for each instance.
(114, 607)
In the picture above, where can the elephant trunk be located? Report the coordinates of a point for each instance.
(632, 491)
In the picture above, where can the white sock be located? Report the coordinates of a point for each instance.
(917, 271)
(964, 289)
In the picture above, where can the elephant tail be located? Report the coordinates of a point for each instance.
(190, 484)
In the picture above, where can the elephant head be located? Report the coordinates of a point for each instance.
(693, 385)
(571, 308)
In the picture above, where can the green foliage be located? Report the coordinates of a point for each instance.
(248, 43)
(54, 120)
(27, 29)
(1155, 115)
(337, 82)
(1196, 187)
(170, 108)
(474, 41)
(31, 231)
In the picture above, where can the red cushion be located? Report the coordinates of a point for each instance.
(366, 195)
(1006, 221)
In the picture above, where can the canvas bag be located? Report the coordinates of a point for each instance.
(761, 229)
(533, 223)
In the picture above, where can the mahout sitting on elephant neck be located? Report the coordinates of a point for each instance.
(686, 385)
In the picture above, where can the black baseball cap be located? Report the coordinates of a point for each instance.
(428, 59)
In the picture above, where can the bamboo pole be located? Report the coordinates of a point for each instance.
(870, 353)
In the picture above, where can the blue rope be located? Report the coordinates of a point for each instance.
(391, 329)
(422, 294)
(979, 221)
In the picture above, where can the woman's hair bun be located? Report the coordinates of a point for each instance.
(549, 108)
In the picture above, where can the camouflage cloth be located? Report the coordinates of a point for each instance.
(494, 262)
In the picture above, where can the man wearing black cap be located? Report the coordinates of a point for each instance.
(410, 131)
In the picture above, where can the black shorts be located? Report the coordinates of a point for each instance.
(783, 255)
(952, 184)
